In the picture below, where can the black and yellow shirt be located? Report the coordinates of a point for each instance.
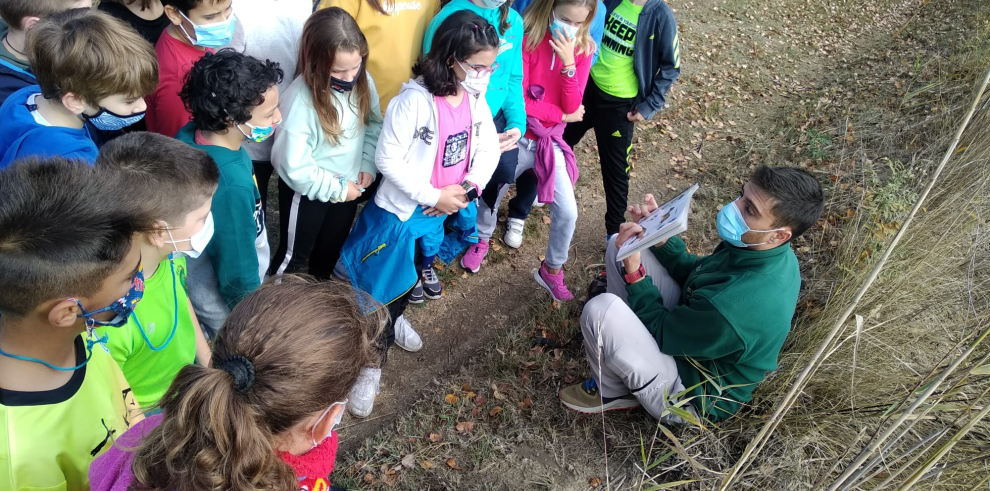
(49, 438)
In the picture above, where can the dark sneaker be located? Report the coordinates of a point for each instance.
(598, 286)
(431, 284)
(584, 398)
(417, 293)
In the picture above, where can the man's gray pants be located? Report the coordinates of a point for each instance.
(623, 355)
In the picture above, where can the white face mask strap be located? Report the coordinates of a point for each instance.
(319, 420)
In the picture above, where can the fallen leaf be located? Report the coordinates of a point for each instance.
(409, 461)
(498, 395)
(466, 387)
(476, 412)
(547, 220)
(465, 426)
(470, 395)
(479, 401)
(569, 378)
(451, 399)
(595, 482)
(369, 478)
(452, 463)
(495, 411)
(526, 403)
(426, 464)
(436, 437)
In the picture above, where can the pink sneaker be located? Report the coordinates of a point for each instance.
(553, 283)
(474, 255)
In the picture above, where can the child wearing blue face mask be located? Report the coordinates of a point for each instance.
(69, 262)
(197, 27)
(265, 410)
(92, 70)
(232, 98)
(162, 335)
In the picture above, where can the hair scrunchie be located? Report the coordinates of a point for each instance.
(241, 369)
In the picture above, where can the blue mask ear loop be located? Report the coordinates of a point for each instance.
(91, 340)
(175, 316)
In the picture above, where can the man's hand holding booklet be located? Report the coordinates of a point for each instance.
(658, 223)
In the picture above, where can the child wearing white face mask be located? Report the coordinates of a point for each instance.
(262, 415)
(556, 62)
(162, 335)
(437, 149)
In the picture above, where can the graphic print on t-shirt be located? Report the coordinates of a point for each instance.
(620, 34)
(455, 149)
(614, 72)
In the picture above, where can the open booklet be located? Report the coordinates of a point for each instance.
(670, 219)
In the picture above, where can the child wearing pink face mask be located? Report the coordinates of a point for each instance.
(262, 415)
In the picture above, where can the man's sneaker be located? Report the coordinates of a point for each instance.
(361, 400)
(431, 284)
(474, 256)
(417, 293)
(514, 232)
(405, 337)
(553, 283)
(584, 398)
(598, 286)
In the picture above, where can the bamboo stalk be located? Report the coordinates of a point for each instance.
(799, 383)
(918, 474)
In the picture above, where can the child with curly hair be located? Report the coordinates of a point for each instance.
(232, 98)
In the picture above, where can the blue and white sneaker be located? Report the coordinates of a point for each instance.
(417, 293)
(431, 284)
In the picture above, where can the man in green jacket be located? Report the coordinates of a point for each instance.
(676, 326)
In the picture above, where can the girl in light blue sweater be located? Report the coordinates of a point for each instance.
(324, 151)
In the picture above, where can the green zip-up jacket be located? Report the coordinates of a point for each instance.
(730, 322)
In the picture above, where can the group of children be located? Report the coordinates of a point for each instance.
(137, 247)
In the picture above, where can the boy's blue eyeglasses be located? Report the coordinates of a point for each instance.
(481, 69)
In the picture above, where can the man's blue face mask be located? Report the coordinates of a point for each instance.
(732, 226)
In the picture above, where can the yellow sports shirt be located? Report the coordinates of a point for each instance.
(49, 438)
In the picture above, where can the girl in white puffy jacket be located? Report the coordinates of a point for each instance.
(437, 150)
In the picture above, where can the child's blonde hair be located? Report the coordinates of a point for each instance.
(289, 350)
(539, 15)
(92, 55)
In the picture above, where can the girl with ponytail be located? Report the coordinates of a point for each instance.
(261, 417)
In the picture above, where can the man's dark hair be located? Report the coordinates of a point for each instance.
(799, 196)
(62, 231)
(225, 87)
(165, 177)
(457, 38)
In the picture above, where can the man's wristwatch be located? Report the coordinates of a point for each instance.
(635, 275)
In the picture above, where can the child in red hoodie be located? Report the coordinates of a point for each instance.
(262, 416)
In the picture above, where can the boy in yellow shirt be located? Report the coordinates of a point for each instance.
(69, 262)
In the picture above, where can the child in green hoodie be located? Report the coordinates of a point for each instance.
(232, 97)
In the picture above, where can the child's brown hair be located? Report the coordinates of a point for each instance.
(327, 31)
(13, 12)
(289, 350)
(92, 55)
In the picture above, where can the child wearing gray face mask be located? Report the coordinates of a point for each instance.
(264, 411)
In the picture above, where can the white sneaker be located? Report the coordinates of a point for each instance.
(514, 232)
(405, 337)
(361, 400)
(536, 202)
